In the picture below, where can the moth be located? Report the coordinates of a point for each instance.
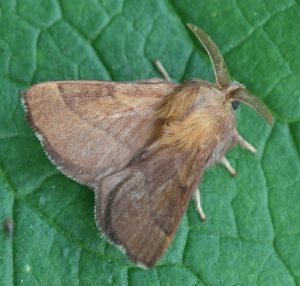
(142, 146)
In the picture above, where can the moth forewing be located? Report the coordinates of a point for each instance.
(140, 207)
(91, 129)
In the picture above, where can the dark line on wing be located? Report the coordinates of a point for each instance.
(105, 222)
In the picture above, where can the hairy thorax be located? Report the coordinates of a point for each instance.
(197, 117)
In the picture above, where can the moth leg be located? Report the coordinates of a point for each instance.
(162, 70)
(198, 205)
(228, 166)
(246, 144)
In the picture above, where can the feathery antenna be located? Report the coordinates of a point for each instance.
(222, 75)
(246, 97)
(220, 68)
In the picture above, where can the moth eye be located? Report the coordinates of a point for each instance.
(235, 104)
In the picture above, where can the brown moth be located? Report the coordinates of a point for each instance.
(142, 146)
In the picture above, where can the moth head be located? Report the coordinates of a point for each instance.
(234, 91)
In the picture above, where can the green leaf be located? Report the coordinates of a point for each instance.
(252, 233)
